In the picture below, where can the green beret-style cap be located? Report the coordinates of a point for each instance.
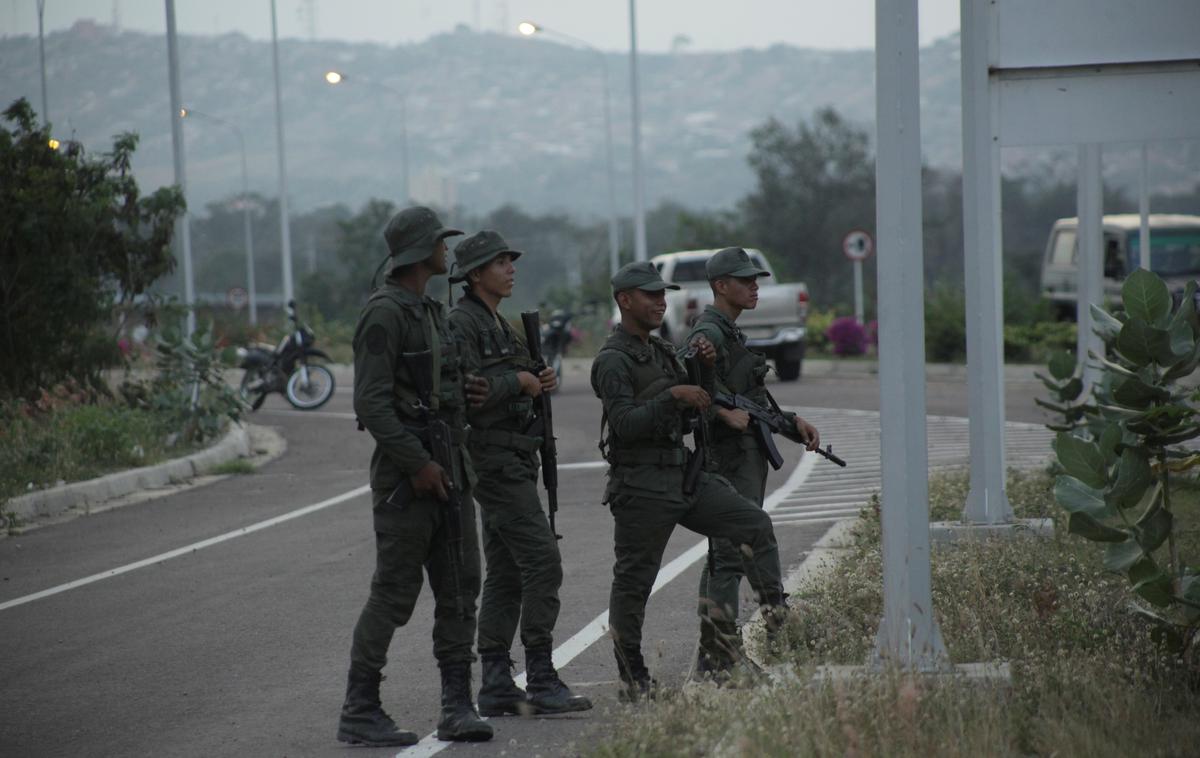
(477, 250)
(413, 233)
(640, 275)
(732, 261)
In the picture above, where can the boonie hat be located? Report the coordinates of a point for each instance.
(640, 275)
(478, 249)
(732, 261)
(413, 233)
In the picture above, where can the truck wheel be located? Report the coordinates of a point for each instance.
(788, 362)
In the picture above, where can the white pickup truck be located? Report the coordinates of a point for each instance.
(775, 328)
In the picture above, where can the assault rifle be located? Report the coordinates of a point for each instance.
(701, 438)
(545, 417)
(766, 422)
(444, 452)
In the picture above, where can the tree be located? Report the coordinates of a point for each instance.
(76, 239)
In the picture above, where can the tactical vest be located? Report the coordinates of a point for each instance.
(648, 381)
(502, 350)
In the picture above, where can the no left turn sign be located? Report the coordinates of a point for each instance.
(858, 245)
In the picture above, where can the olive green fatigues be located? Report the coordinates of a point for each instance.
(411, 536)
(737, 457)
(524, 567)
(646, 459)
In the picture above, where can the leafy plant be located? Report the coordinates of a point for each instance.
(1117, 486)
(1066, 387)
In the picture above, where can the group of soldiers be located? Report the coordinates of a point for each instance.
(449, 400)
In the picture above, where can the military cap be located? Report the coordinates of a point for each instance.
(412, 234)
(640, 275)
(478, 249)
(732, 261)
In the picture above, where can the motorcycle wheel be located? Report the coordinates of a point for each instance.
(316, 394)
(251, 377)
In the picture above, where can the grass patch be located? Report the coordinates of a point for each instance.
(72, 442)
(235, 466)
(1087, 678)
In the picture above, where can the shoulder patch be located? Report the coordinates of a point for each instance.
(376, 339)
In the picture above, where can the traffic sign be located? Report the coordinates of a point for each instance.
(858, 245)
(237, 297)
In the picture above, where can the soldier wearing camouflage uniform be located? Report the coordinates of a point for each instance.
(524, 568)
(411, 532)
(646, 399)
(739, 371)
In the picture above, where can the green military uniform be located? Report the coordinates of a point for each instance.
(411, 532)
(739, 371)
(524, 567)
(646, 456)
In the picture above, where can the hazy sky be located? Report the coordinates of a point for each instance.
(709, 24)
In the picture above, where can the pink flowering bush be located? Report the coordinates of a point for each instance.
(847, 336)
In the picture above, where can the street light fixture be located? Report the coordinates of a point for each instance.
(338, 77)
(249, 237)
(528, 28)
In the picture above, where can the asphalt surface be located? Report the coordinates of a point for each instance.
(240, 647)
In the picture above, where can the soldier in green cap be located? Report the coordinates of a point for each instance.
(410, 490)
(741, 371)
(524, 567)
(646, 400)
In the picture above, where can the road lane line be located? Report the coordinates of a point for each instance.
(598, 628)
(188, 548)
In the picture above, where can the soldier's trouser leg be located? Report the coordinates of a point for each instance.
(717, 510)
(408, 540)
(746, 469)
(524, 568)
(642, 527)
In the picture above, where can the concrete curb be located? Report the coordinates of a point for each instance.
(55, 501)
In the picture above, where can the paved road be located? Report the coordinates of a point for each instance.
(239, 647)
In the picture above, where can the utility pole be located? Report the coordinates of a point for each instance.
(182, 225)
(285, 236)
(639, 200)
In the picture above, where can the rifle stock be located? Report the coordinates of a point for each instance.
(544, 411)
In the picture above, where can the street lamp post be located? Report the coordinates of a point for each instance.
(285, 235)
(41, 8)
(249, 237)
(528, 28)
(639, 201)
(183, 230)
(337, 77)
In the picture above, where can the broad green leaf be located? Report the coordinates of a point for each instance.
(1182, 342)
(1143, 569)
(1109, 439)
(1133, 478)
(1049, 406)
(1104, 324)
(1185, 366)
(1134, 393)
(1076, 497)
(1146, 297)
(1173, 439)
(1140, 343)
(1062, 364)
(1115, 368)
(1154, 527)
(1071, 390)
(1186, 312)
(1081, 459)
(1155, 590)
(1120, 557)
(1089, 528)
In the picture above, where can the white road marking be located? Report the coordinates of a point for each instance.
(598, 627)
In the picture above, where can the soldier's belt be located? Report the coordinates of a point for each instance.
(502, 438)
(674, 457)
(457, 436)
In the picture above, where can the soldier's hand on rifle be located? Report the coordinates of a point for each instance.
(705, 350)
(431, 480)
(734, 418)
(811, 435)
(549, 379)
(476, 389)
(530, 384)
(691, 396)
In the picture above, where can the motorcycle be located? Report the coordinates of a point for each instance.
(285, 368)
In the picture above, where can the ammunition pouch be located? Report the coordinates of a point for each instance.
(648, 457)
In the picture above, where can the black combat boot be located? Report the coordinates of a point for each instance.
(460, 722)
(720, 646)
(363, 720)
(547, 693)
(636, 684)
(499, 695)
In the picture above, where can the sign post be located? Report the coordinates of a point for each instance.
(858, 246)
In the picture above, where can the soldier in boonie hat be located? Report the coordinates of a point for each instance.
(413, 233)
(478, 249)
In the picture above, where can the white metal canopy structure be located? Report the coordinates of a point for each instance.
(1060, 72)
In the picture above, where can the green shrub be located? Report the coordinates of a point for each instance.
(816, 337)
(945, 325)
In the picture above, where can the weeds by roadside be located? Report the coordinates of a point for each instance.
(1087, 677)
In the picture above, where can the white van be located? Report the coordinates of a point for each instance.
(1174, 255)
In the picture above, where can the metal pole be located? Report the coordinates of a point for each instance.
(404, 149)
(285, 237)
(182, 224)
(1090, 256)
(639, 211)
(1144, 210)
(858, 291)
(908, 634)
(249, 235)
(614, 240)
(41, 8)
(983, 269)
